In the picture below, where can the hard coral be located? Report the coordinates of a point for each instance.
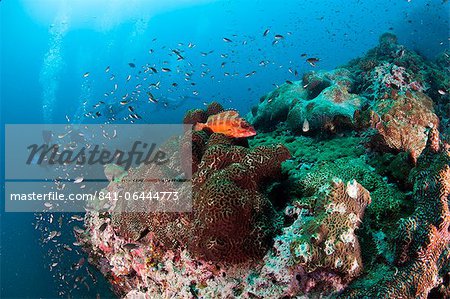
(329, 105)
(233, 219)
(195, 116)
(401, 123)
(213, 108)
(332, 110)
(431, 180)
(338, 213)
(323, 100)
(387, 78)
(424, 237)
(388, 38)
(387, 199)
(318, 253)
(200, 116)
(274, 107)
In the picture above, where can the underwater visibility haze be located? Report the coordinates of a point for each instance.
(308, 141)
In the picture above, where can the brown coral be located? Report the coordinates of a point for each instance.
(231, 219)
(329, 240)
(200, 116)
(195, 116)
(232, 216)
(401, 123)
(213, 108)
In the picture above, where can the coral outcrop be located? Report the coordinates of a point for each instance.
(343, 192)
(194, 116)
(233, 219)
(330, 106)
(319, 252)
(401, 123)
(400, 110)
(423, 239)
(322, 101)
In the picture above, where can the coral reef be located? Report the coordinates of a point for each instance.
(423, 238)
(332, 108)
(387, 200)
(321, 102)
(390, 68)
(274, 107)
(286, 213)
(401, 123)
(200, 116)
(318, 253)
(232, 216)
(231, 221)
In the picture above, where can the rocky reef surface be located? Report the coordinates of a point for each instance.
(342, 193)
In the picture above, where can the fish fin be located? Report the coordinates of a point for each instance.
(232, 113)
(199, 126)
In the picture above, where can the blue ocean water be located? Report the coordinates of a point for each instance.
(48, 46)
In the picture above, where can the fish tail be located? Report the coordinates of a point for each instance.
(199, 126)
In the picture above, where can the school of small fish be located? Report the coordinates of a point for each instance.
(149, 85)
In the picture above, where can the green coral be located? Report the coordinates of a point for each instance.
(316, 162)
(387, 199)
(274, 107)
(310, 150)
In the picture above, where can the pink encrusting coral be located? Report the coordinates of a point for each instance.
(391, 76)
(152, 270)
(313, 254)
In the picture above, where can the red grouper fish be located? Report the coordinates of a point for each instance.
(228, 123)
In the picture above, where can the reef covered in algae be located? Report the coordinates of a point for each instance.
(342, 193)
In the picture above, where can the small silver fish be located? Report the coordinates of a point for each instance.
(77, 218)
(78, 230)
(312, 61)
(52, 235)
(152, 98)
(305, 127)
